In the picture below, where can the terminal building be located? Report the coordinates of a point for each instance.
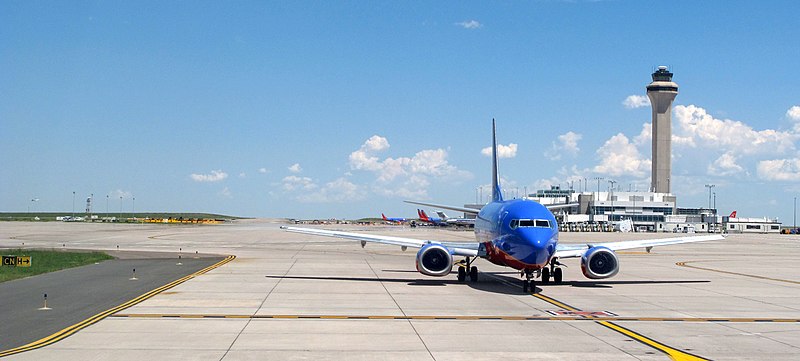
(641, 212)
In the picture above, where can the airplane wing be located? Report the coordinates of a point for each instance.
(456, 248)
(577, 250)
(452, 208)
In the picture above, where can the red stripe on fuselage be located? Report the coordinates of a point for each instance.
(499, 257)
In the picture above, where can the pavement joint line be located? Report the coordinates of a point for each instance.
(686, 264)
(70, 330)
(673, 353)
(471, 318)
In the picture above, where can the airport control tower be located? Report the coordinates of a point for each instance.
(662, 92)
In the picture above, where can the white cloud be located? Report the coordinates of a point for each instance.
(503, 151)
(291, 183)
(645, 136)
(242, 175)
(364, 158)
(295, 168)
(793, 113)
(618, 157)
(376, 143)
(119, 193)
(262, 170)
(779, 169)
(696, 128)
(567, 143)
(470, 24)
(339, 191)
(214, 176)
(725, 165)
(636, 101)
(225, 192)
(426, 162)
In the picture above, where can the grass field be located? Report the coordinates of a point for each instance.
(47, 261)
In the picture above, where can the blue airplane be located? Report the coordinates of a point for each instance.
(423, 217)
(397, 220)
(518, 233)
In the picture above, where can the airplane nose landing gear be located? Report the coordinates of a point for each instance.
(528, 282)
(552, 271)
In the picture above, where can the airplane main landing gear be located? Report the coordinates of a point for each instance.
(462, 271)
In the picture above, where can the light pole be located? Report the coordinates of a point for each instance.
(611, 195)
(598, 179)
(73, 204)
(107, 205)
(709, 186)
(133, 209)
(794, 221)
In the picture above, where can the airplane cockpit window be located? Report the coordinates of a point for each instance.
(541, 223)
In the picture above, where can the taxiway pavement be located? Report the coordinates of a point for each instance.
(291, 296)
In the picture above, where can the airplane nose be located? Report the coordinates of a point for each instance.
(538, 250)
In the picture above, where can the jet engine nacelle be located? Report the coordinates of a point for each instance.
(434, 260)
(599, 262)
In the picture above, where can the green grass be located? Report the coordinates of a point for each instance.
(47, 261)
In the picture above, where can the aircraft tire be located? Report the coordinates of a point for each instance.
(545, 275)
(462, 274)
(473, 274)
(558, 275)
(524, 286)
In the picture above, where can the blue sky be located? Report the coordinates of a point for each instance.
(344, 109)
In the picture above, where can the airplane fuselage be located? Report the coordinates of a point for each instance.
(518, 233)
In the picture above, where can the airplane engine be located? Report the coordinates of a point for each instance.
(599, 262)
(434, 260)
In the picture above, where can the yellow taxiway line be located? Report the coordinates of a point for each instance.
(672, 352)
(60, 335)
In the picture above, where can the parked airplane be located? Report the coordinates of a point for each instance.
(393, 220)
(518, 233)
(464, 222)
(423, 217)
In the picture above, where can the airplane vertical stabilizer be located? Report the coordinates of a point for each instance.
(497, 196)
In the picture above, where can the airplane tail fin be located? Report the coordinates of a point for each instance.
(441, 215)
(497, 195)
(424, 215)
(384, 217)
(733, 214)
